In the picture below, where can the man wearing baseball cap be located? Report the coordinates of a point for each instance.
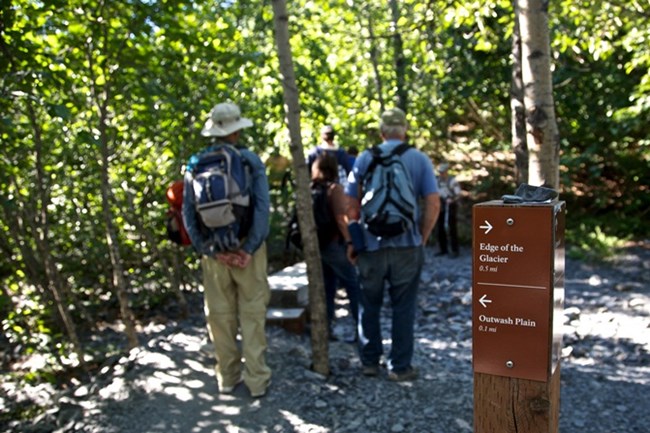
(394, 261)
(235, 282)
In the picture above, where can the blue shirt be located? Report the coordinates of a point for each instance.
(341, 158)
(204, 242)
(424, 183)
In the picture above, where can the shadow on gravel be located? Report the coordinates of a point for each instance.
(604, 399)
(168, 385)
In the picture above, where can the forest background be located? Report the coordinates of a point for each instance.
(102, 103)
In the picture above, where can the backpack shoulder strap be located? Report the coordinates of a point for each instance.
(248, 166)
(377, 156)
(400, 149)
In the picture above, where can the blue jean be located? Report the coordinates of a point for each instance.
(338, 269)
(400, 268)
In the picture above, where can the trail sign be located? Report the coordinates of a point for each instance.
(517, 285)
(517, 302)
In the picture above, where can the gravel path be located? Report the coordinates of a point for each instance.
(168, 384)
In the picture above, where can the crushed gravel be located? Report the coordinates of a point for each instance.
(167, 385)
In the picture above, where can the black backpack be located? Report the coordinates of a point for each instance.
(323, 216)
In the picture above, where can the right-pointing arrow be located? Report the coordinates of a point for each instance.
(483, 301)
(487, 226)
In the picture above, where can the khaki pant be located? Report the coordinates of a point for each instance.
(236, 301)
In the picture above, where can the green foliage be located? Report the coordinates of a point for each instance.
(589, 242)
(138, 78)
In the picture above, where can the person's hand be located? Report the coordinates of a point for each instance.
(229, 259)
(243, 258)
(352, 254)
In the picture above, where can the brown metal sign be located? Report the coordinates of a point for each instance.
(513, 289)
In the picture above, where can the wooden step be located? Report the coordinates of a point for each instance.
(289, 287)
(291, 319)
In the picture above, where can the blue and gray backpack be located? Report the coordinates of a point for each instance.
(388, 202)
(221, 181)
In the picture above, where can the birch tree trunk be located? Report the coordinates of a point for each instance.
(399, 61)
(517, 111)
(542, 135)
(374, 60)
(319, 331)
(171, 270)
(41, 235)
(112, 240)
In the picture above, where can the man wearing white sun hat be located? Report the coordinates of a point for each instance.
(235, 281)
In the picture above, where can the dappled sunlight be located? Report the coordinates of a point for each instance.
(166, 377)
(224, 426)
(442, 345)
(226, 409)
(116, 390)
(194, 384)
(590, 366)
(628, 326)
(151, 384)
(188, 341)
(205, 395)
(181, 393)
(460, 350)
(300, 425)
(197, 366)
(292, 277)
(157, 360)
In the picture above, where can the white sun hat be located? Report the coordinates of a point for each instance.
(225, 118)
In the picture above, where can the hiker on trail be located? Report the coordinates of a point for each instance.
(447, 229)
(232, 248)
(327, 145)
(333, 248)
(396, 256)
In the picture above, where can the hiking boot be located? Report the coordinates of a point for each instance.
(207, 349)
(230, 389)
(403, 376)
(370, 370)
(261, 393)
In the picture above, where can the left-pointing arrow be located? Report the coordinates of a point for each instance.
(484, 301)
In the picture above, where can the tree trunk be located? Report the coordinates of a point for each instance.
(119, 281)
(542, 134)
(517, 111)
(171, 270)
(399, 62)
(41, 234)
(374, 60)
(319, 331)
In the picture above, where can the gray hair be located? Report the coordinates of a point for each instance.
(393, 131)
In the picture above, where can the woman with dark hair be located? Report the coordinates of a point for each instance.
(336, 266)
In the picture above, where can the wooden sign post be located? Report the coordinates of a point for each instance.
(517, 303)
